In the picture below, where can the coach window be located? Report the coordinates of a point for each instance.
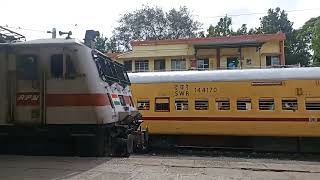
(201, 105)
(313, 104)
(266, 104)
(56, 65)
(181, 104)
(143, 104)
(162, 104)
(244, 104)
(223, 104)
(290, 104)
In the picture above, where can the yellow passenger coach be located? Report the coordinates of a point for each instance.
(255, 102)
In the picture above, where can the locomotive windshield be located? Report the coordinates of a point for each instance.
(109, 70)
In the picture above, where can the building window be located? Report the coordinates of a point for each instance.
(56, 65)
(142, 66)
(143, 104)
(272, 61)
(244, 104)
(159, 65)
(290, 104)
(178, 64)
(201, 105)
(181, 105)
(232, 62)
(249, 61)
(266, 104)
(128, 65)
(223, 104)
(203, 64)
(162, 105)
(313, 104)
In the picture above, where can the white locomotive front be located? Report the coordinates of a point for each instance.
(59, 91)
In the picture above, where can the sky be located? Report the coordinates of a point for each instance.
(39, 16)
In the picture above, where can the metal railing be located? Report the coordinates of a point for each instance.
(222, 68)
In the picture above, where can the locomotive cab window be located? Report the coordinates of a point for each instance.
(201, 105)
(290, 104)
(143, 104)
(162, 105)
(244, 104)
(266, 104)
(122, 101)
(56, 65)
(223, 104)
(313, 104)
(59, 65)
(70, 68)
(181, 104)
(27, 67)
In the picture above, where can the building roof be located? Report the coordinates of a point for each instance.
(218, 40)
(113, 56)
(226, 75)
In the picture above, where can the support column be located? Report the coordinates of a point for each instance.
(282, 56)
(218, 58)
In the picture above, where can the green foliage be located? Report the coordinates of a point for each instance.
(311, 31)
(275, 21)
(243, 30)
(223, 28)
(152, 23)
(296, 47)
(101, 43)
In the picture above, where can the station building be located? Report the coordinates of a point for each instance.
(232, 52)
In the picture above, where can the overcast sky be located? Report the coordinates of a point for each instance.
(102, 15)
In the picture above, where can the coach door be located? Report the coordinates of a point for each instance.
(27, 89)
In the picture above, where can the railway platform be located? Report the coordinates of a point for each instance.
(154, 167)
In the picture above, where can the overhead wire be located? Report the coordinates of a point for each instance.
(209, 17)
(259, 13)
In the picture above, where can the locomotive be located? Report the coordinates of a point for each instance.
(61, 93)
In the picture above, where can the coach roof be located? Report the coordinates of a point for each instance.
(226, 75)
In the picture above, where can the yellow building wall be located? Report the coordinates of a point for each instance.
(272, 47)
(187, 52)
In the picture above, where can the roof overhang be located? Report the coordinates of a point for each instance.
(214, 45)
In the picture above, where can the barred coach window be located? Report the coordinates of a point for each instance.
(266, 104)
(201, 105)
(181, 104)
(143, 104)
(162, 104)
(223, 104)
(244, 104)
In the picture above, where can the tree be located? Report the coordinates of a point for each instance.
(101, 43)
(275, 21)
(152, 23)
(223, 28)
(243, 30)
(296, 48)
(311, 33)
